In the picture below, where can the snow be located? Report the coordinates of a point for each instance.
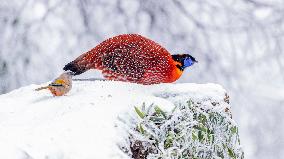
(242, 49)
(82, 124)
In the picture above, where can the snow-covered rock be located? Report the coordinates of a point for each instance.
(96, 118)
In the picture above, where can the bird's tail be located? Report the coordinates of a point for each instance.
(89, 60)
(79, 65)
(75, 68)
(41, 88)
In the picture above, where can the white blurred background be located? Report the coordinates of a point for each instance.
(238, 43)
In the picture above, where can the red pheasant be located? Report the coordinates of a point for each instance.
(132, 58)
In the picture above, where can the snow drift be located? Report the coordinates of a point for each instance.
(107, 119)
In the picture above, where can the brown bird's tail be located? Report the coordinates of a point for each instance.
(41, 88)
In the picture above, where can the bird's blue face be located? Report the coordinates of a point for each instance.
(188, 61)
(184, 60)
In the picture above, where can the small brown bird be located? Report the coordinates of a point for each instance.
(61, 85)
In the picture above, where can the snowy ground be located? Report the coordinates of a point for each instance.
(82, 124)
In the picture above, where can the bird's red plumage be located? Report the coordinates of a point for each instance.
(132, 58)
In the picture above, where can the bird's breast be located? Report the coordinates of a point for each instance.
(176, 72)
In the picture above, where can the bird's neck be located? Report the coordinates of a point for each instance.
(178, 61)
(176, 71)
